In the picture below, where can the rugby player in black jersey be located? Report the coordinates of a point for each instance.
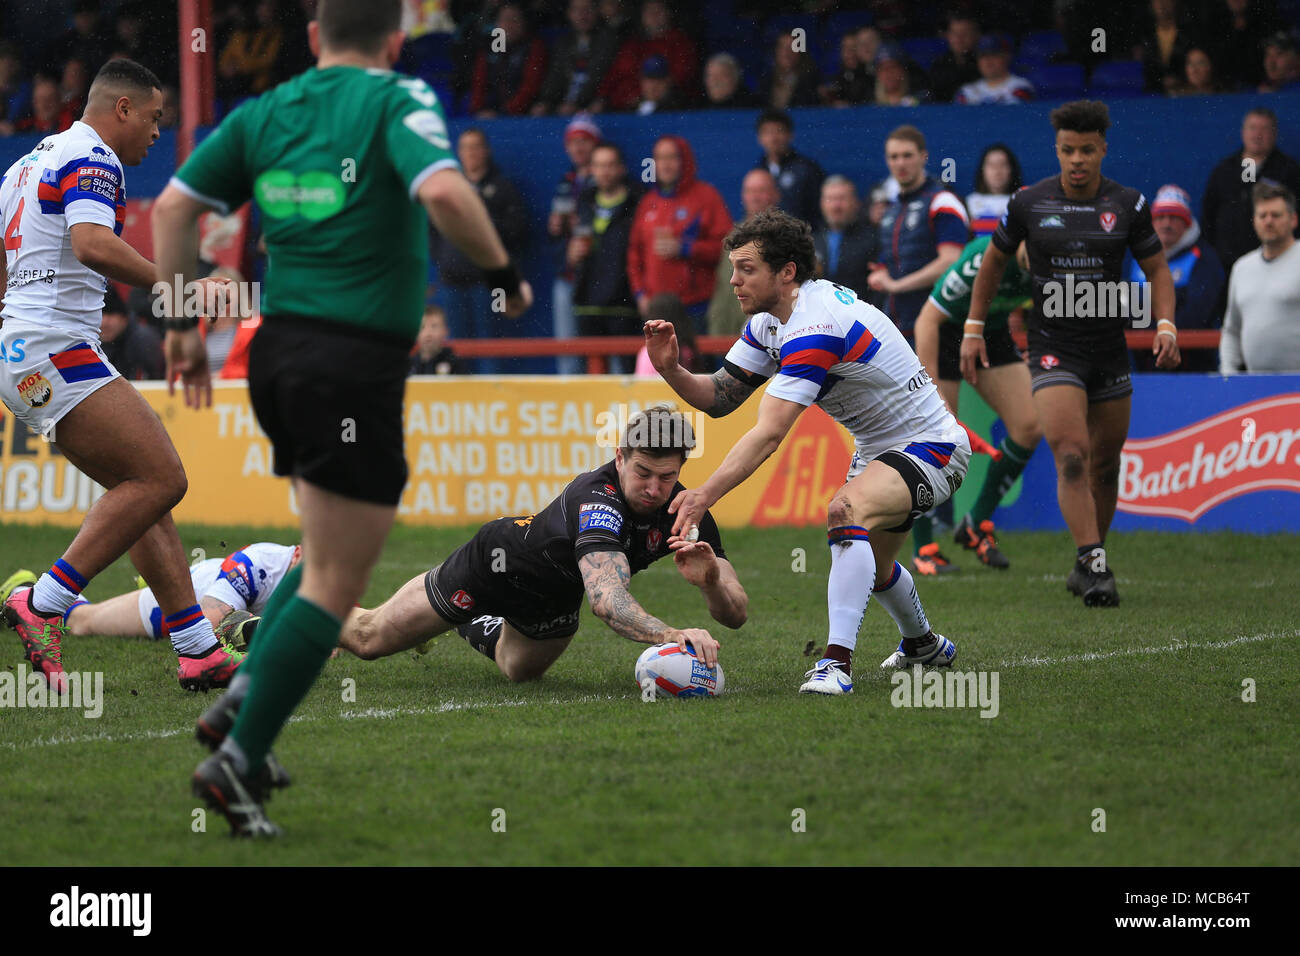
(515, 589)
(1078, 226)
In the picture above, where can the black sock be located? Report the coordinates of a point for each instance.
(910, 644)
(1086, 551)
(482, 633)
(837, 652)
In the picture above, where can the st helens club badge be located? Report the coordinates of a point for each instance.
(1108, 221)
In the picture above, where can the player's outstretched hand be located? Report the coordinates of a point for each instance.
(187, 360)
(706, 648)
(695, 560)
(689, 506)
(518, 304)
(661, 345)
(1165, 349)
(974, 356)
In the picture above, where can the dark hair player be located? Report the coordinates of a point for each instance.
(1079, 224)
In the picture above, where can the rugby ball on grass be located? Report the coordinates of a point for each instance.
(674, 672)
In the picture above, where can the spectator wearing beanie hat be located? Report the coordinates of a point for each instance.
(1199, 277)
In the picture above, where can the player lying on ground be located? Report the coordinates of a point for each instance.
(233, 590)
(63, 205)
(1004, 385)
(341, 310)
(514, 591)
(820, 344)
(1077, 225)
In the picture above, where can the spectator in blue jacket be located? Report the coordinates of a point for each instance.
(798, 177)
(1199, 277)
(922, 233)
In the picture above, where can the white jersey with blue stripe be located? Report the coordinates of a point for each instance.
(69, 178)
(847, 357)
(246, 578)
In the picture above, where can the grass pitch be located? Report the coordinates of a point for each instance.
(1136, 711)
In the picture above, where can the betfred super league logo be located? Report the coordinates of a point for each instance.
(1253, 447)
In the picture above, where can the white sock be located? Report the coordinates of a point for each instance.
(897, 595)
(52, 596)
(852, 563)
(194, 635)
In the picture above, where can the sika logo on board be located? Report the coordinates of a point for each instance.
(1253, 447)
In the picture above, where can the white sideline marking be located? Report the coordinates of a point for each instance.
(1131, 651)
(372, 713)
(386, 713)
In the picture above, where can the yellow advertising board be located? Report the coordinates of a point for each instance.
(478, 448)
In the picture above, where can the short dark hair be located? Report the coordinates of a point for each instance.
(779, 238)
(361, 25)
(1082, 116)
(128, 76)
(908, 134)
(1263, 111)
(658, 431)
(1017, 180)
(607, 144)
(476, 131)
(775, 116)
(1267, 189)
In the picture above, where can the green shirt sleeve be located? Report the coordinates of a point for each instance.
(952, 292)
(217, 171)
(416, 134)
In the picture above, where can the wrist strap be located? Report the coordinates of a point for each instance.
(972, 335)
(979, 322)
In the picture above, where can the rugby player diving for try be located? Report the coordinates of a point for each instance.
(514, 591)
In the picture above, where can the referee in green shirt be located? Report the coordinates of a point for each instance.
(344, 162)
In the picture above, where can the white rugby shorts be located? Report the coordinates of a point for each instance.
(46, 372)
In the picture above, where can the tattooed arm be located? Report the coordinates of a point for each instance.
(716, 395)
(606, 575)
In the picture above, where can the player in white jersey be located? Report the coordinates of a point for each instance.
(240, 582)
(820, 344)
(62, 208)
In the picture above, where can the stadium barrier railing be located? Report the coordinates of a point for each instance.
(597, 348)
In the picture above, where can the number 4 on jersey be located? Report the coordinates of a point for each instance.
(13, 238)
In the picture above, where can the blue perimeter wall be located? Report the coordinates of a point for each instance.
(1153, 141)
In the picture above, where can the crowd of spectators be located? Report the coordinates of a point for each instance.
(561, 57)
(624, 251)
(614, 56)
(623, 245)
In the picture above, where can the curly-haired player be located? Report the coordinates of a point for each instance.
(822, 345)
